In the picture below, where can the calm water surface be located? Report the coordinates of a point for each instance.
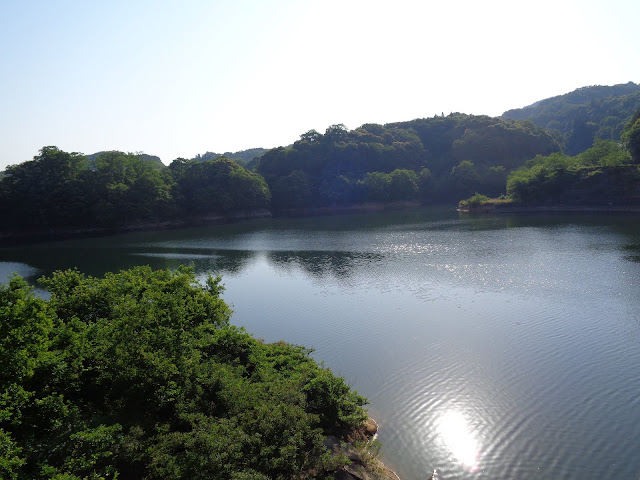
(489, 348)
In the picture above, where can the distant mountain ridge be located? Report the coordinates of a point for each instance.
(584, 115)
(578, 96)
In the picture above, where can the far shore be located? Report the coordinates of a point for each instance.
(346, 209)
(46, 234)
(514, 208)
(36, 235)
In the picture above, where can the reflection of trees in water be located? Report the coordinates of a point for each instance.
(96, 262)
(632, 252)
(203, 260)
(232, 261)
(322, 264)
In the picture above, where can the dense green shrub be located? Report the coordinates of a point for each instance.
(140, 375)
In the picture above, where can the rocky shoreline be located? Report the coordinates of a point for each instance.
(365, 464)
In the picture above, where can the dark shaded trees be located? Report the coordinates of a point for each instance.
(112, 189)
(631, 137)
(127, 188)
(219, 185)
(48, 190)
(342, 167)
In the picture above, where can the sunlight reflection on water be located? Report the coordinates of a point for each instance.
(454, 431)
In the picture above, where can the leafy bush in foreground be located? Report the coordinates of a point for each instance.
(139, 375)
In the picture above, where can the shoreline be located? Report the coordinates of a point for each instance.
(367, 207)
(48, 234)
(364, 465)
(39, 235)
(605, 209)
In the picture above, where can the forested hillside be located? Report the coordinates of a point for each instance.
(605, 175)
(429, 160)
(432, 160)
(58, 188)
(584, 115)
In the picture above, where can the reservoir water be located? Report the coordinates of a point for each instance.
(489, 347)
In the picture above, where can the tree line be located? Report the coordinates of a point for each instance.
(435, 160)
(606, 174)
(58, 188)
(431, 160)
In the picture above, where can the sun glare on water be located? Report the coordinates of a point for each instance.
(454, 430)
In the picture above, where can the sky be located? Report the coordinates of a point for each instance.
(180, 78)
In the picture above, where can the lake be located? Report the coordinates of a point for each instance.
(492, 347)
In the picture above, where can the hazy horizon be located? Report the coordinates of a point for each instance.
(179, 79)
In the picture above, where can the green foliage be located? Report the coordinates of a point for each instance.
(401, 184)
(330, 397)
(22, 345)
(604, 153)
(246, 158)
(401, 161)
(139, 375)
(631, 137)
(48, 190)
(378, 186)
(127, 188)
(584, 115)
(437, 159)
(474, 201)
(111, 189)
(330, 169)
(601, 175)
(219, 185)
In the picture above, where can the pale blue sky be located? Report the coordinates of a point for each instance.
(177, 78)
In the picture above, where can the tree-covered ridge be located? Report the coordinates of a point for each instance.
(429, 160)
(483, 140)
(139, 375)
(584, 115)
(143, 156)
(605, 175)
(436, 159)
(246, 158)
(58, 188)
